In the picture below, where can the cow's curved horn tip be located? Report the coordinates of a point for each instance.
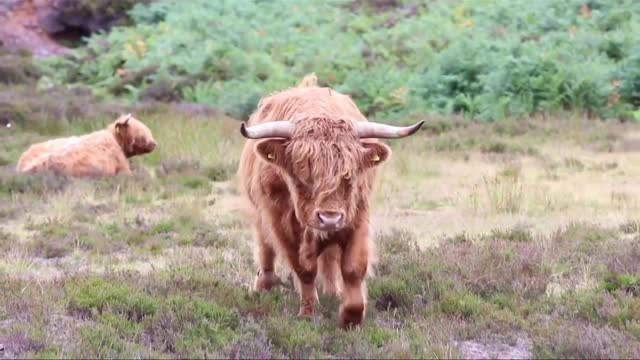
(416, 127)
(243, 130)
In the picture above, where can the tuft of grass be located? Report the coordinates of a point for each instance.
(496, 267)
(464, 305)
(502, 147)
(627, 283)
(4, 161)
(38, 184)
(573, 163)
(295, 337)
(583, 231)
(378, 336)
(99, 341)
(406, 277)
(93, 296)
(252, 343)
(216, 172)
(195, 183)
(7, 241)
(630, 227)
(505, 193)
(57, 239)
(177, 166)
(518, 233)
(221, 172)
(583, 341)
(193, 327)
(163, 227)
(513, 128)
(390, 294)
(125, 328)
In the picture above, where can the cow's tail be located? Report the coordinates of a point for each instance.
(310, 80)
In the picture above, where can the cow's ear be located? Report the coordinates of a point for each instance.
(376, 154)
(272, 150)
(122, 123)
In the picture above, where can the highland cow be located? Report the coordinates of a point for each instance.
(98, 154)
(308, 170)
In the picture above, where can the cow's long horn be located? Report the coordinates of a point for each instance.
(274, 129)
(382, 131)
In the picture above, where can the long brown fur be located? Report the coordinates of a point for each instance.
(98, 154)
(38, 152)
(323, 166)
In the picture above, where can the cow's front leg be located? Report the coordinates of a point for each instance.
(266, 278)
(355, 260)
(306, 268)
(330, 270)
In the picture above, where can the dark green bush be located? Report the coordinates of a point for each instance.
(487, 60)
(629, 76)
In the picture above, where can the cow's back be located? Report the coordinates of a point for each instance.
(96, 154)
(306, 101)
(37, 153)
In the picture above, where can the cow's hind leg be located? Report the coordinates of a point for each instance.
(354, 263)
(266, 278)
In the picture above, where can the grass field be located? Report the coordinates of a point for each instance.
(519, 238)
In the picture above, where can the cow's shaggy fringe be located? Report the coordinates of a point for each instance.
(327, 159)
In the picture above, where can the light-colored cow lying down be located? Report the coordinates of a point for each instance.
(98, 154)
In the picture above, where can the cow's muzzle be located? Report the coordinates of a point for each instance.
(330, 220)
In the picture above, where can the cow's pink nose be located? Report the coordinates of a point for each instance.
(152, 145)
(330, 219)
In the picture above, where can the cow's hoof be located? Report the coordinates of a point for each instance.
(266, 281)
(305, 314)
(307, 309)
(351, 315)
(332, 290)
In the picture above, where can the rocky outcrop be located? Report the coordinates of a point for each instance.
(83, 16)
(42, 26)
(20, 29)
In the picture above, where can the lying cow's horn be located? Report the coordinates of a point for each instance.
(274, 129)
(382, 131)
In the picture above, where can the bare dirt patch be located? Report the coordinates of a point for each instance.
(495, 350)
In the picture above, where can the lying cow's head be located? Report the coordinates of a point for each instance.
(134, 137)
(325, 161)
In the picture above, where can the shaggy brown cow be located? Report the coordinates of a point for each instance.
(101, 153)
(308, 170)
